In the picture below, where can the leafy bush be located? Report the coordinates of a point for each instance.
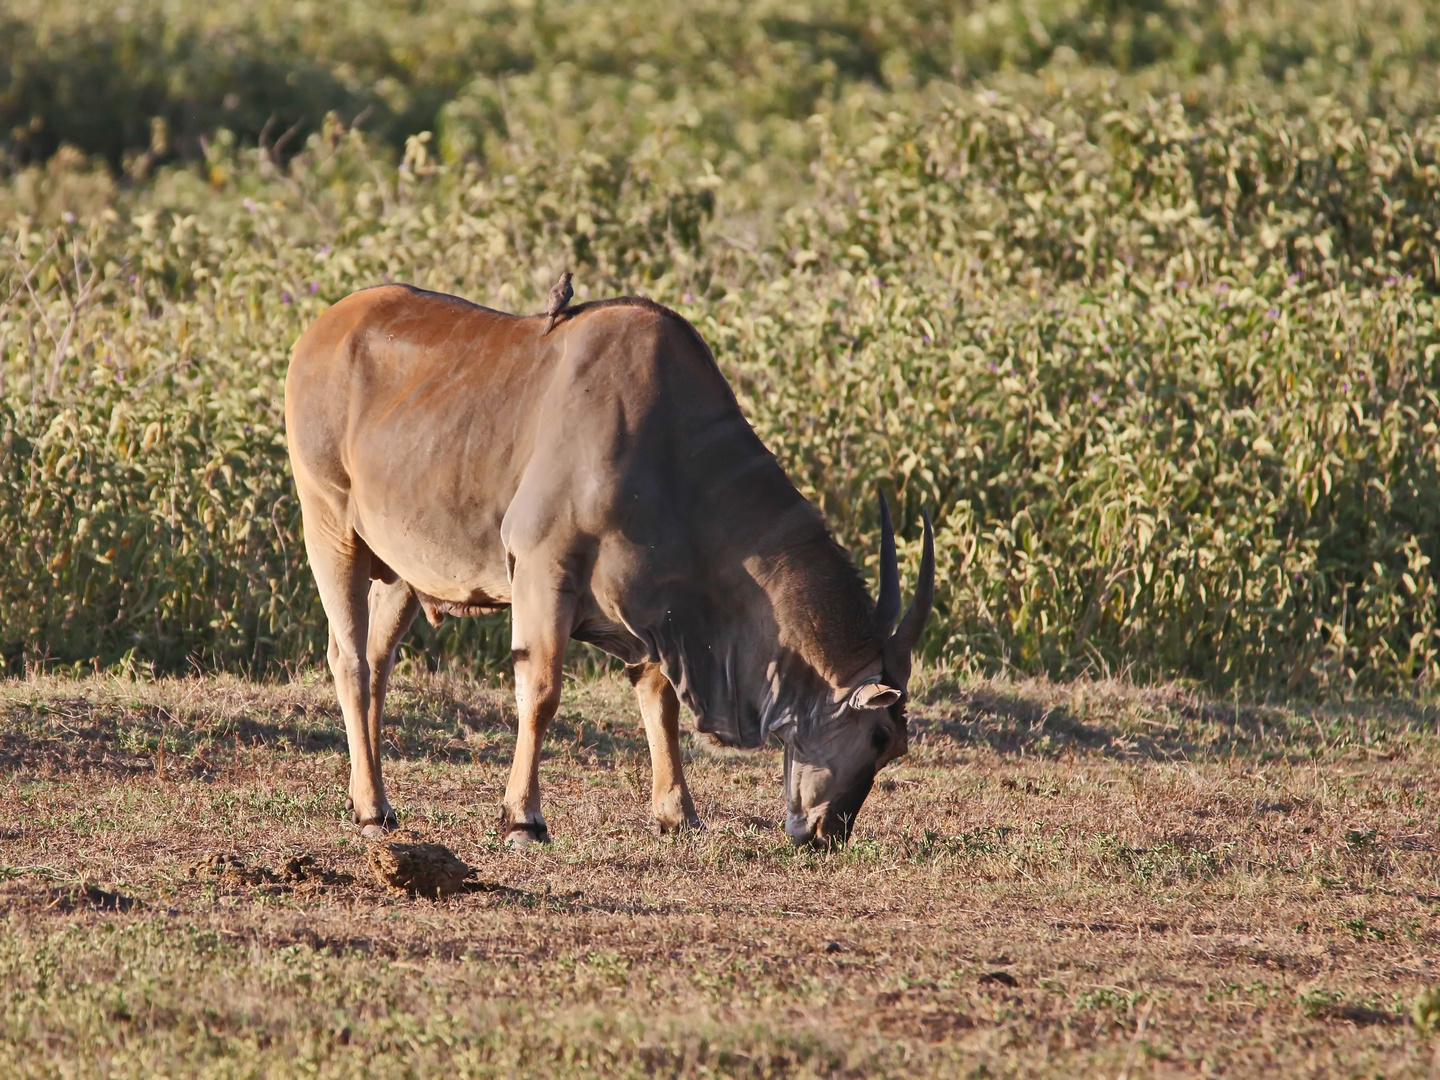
(1163, 364)
(1177, 430)
(94, 76)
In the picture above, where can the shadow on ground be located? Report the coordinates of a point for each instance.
(1165, 723)
(81, 734)
(451, 721)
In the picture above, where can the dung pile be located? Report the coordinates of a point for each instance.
(230, 870)
(417, 868)
(304, 873)
(300, 873)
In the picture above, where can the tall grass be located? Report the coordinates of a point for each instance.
(1158, 348)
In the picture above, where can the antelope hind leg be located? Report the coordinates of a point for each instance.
(341, 564)
(393, 608)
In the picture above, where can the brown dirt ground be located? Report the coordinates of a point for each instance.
(1087, 879)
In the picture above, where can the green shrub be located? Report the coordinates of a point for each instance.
(1170, 428)
(1163, 366)
(94, 76)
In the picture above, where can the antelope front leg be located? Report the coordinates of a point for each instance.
(670, 803)
(542, 623)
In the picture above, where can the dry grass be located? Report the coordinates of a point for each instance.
(1086, 879)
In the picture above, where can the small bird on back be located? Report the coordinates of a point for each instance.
(559, 300)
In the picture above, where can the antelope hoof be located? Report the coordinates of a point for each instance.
(674, 812)
(521, 834)
(689, 823)
(378, 828)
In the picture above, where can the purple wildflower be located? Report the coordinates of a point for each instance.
(688, 298)
(285, 298)
(314, 288)
(1272, 314)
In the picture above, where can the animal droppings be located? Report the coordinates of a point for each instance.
(231, 870)
(301, 872)
(418, 869)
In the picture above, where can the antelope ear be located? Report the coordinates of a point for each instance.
(873, 695)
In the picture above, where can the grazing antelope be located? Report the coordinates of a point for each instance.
(596, 476)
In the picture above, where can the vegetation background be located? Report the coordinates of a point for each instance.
(1138, 295)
